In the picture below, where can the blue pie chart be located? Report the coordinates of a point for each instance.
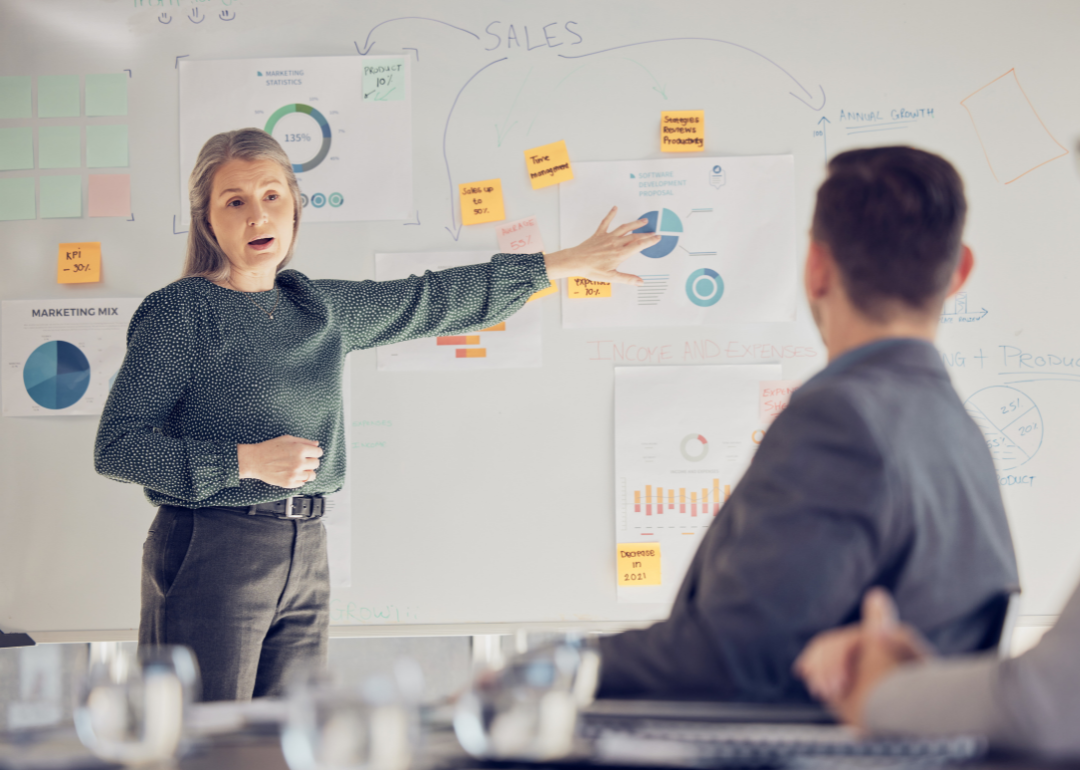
(665, 222)
(56, 375)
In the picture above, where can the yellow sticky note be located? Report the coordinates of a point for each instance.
(682, 131)
(79, 263)
(481, 202)
(583, 288)
(548, 165)
(638, 564)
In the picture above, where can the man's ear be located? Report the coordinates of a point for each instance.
(962, 271)
(819, 270)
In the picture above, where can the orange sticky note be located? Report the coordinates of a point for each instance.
(583, 288)
(481, 202)
(548, 165)
(638, 564)
(682, 131)
(79, 263)
(774, 396)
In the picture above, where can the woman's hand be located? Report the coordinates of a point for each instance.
(285, 461)
(597, 258)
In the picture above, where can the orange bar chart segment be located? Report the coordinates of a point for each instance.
(472, 339)
(471, 353)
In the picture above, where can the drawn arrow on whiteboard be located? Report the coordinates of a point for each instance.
(809, 96)
(368, 42)
(456, 232)
(824, 136)
(504, 129)
(662, 90)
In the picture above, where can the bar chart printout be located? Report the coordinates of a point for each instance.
(683, 438)
(515, 343)
(653, 498)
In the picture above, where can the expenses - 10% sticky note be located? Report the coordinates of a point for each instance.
(548, 165)
(481, 202)
(638, 564)
(682, 131)
(79, 263)
(583, 288)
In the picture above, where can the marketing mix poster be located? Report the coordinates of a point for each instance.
(344, 121)
(727, 240)
(61, 357)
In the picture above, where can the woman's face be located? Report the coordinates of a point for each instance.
(251, 213)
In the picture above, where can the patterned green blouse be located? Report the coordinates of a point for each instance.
(206, 370)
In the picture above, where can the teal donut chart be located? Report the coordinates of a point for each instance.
(324, 150)
(713, 284)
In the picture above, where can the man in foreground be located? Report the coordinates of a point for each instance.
(873, 475)
(881, 676)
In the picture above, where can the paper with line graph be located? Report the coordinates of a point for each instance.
(727, 248)
(684, 435)
(516, 343)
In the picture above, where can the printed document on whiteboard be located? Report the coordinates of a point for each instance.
(684, 435)
(727, 240)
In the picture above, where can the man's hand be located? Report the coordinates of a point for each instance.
(285, 461)
(842, 667)
(598, 257)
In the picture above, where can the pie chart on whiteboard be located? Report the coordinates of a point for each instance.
(56, 375)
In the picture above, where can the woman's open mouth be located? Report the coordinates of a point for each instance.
(260, 243)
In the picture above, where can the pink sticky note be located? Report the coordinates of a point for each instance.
(520, 237)
(110, 195)
(774, 397)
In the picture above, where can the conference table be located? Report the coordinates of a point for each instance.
(440, 751)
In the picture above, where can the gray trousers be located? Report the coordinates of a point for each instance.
(249, 594)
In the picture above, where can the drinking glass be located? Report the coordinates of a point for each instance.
(528, 709)
(131, 707)
(336, 726)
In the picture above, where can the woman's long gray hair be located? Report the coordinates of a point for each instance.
(204, 256)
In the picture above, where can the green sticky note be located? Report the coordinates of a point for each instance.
(16, 148)
(17, 198)
(59, 147)
(107, 146)
(61, 196)
(106, 94)
(14, 96)
(384, 80)
(58, 96)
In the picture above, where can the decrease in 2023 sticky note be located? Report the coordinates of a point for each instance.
(61, 356)
(352, 157)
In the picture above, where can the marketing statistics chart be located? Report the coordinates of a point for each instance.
(60, 357)
(515, 343)
(344, 121)
(727, 240)
(684, 435)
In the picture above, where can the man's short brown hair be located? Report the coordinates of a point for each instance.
(892, 217)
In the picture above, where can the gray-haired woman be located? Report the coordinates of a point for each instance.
(228, 409)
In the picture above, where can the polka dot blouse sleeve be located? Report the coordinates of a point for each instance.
(450, 301)
(135, 442)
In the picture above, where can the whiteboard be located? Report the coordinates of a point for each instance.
(484, 500)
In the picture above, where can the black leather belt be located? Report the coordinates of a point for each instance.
(296, 507)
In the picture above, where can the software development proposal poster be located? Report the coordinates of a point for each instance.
(344, 121)
(59, 356)
(727, 240)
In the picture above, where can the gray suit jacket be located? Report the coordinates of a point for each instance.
(873, 475)
(1030, 703)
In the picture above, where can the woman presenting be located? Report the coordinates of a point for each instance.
(228, 409)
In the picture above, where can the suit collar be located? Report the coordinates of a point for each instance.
(894, 351)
